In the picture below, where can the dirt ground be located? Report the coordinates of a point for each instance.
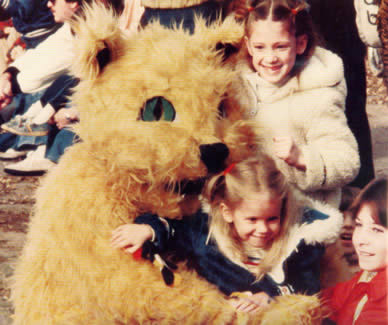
(17, 193)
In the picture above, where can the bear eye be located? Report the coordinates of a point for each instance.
(156, 109)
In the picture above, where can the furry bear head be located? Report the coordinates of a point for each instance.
(151, 104)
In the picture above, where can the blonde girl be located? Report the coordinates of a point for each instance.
(296, 90)
(253, 240)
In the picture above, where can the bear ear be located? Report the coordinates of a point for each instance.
(98, 41)
(223, 36)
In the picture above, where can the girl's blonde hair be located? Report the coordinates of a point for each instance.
(295, 12)
(258, 174)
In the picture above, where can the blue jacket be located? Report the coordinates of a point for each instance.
(32, 18)
(187, 239)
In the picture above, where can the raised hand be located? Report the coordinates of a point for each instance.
(286, 149)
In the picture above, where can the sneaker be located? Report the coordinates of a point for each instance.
(16, 120)
(30, 166)
(12, 154)
(25, 127)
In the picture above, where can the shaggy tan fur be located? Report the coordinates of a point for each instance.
(68, 273)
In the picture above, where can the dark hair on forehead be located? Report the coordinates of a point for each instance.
(348, 195)
(270, 9)
(374, 193)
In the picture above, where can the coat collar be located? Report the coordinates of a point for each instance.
(376, 288)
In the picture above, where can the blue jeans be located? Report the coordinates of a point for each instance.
(20, 104)
(209, 10)
(58, 141)
(27, 141)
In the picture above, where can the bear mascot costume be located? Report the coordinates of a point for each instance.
(152, 128)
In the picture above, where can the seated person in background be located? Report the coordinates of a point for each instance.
(35, 22)
(53, 107)
(34, 122)
(38, 68)
(31, 18)
(363, 299)
(31, 73)
(254, 241)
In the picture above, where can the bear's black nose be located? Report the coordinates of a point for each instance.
(214, 156)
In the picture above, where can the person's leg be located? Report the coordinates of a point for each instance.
(7, 140)
(7, 151)
(34, 122)
(209, 10)
(11, 145)
(58, 143)
(30, 141)
(57, 95)
(336, 23)
(14, 108)
(55, 98)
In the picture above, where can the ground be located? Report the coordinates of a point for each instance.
(17, 193)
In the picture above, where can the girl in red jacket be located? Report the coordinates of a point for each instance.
(363, 299)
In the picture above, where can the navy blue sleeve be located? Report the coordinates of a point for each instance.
(175, 235)
(57, 95)
(302, 268)
(310, 215)
(23, 9)
(27, 15)
(5, 10)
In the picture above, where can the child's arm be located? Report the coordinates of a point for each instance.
(130, 237)
(167, 234)
(327, 144)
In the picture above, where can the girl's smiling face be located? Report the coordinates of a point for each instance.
(256, 220)
(370, 239)
(273, 49)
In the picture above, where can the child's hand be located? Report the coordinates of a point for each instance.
(286, 149)
(251, 303)
(131, 237)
